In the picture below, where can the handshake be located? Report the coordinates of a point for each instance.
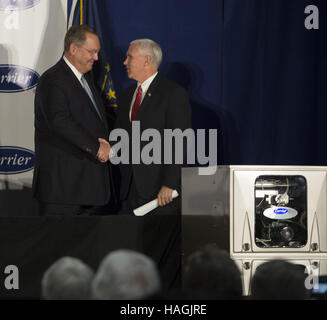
(104, 151)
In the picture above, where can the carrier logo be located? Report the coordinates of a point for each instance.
(15, 160)
(281, 211)
(15, 78)
(10, 5)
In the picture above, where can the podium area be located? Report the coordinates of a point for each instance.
(32, 244)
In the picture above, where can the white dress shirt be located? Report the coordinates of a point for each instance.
(75, 71)
(145, 86)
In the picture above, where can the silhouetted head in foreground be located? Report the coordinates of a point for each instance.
(279, 280)
(211, 273)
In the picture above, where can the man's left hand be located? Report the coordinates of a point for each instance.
(165, 196)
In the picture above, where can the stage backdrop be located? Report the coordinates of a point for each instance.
(31, 34)
(254, 70)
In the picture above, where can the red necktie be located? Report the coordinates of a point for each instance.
(137, 103)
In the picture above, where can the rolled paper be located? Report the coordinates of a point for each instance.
(146, 208)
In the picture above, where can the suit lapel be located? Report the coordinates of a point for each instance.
(150, 94)
(74, 81)
(98, 101)
(79, 87)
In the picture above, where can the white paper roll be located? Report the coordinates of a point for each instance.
(146, 208)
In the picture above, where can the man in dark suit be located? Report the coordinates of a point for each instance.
(71, 174)
(158, 104)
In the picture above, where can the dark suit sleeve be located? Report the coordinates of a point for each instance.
(56, 111)
(178, 117)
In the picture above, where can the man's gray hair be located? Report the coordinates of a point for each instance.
(67, 279)
(151, 48)
(125, 275)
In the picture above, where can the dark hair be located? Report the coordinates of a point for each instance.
(279, 280)
(77, 34)
(211, 272)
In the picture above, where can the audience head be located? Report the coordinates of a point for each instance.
(279, 280)
(124, 275)
(67, 279)
(212, 273)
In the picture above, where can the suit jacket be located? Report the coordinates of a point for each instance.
(67, 128)
(165, 106)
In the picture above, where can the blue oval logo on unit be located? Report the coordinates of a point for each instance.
(14, 160)
(11, 5)
(281, 211)
(15, 78)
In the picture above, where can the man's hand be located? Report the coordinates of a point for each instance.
(104, 150)
(165, 196)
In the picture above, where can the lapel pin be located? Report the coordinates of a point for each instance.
(149, 94)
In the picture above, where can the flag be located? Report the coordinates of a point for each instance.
(86, 12)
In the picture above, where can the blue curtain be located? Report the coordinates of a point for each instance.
(252, 70)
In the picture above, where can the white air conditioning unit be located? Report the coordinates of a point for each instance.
(258, 213)
(278, 209)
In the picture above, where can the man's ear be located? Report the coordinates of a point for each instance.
(73, 48)
(148, 60)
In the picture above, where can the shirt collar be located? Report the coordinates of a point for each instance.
(146, 84)
(75, 71)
